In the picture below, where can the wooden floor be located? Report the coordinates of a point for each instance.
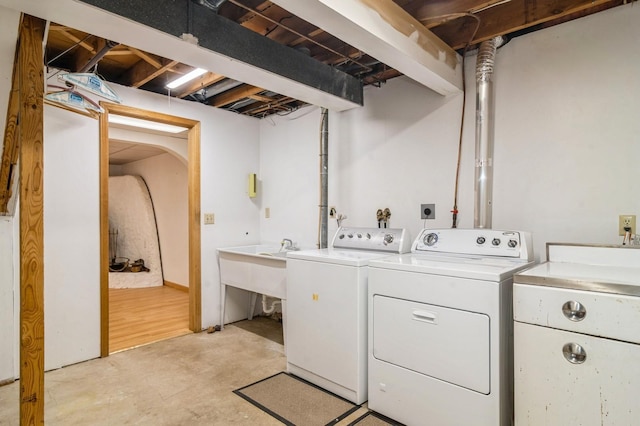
(138, 316)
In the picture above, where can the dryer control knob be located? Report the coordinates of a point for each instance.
(480, 240)
(496, 241)
(512, 243)
(350, 235)
(368, 236)
(388, 239)
(341, 236)
(430, 239)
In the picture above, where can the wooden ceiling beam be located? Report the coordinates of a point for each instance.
(147, 57)
(422, 10)
(253, 111)
(517, 15)
(143, 72)
(67, 34)
(312, 34)
(82, 56)
(234, 95)
(201, 82)
(265, 99)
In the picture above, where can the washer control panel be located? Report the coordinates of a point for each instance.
(393, 240)
(482, 242)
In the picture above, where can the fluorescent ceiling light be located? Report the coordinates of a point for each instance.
(185, 78)
(144, 124)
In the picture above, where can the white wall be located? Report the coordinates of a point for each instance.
(132, 219)
(565, 148)
(71, 238)
(7, 314)
(166, 178)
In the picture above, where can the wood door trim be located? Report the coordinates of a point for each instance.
(193, 141)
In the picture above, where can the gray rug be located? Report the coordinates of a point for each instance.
(294, 401)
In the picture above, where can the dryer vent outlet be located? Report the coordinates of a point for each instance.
(427, 211)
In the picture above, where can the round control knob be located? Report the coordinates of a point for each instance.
(388, 238)
(496, 241)
(341, 236)
(350, 235)
(512, 243)
(480, 240)
(368, 236)
(430, 239)
(359, 235)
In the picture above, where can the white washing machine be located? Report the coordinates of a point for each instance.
(440, 328)
(577, 339)
(327, 308)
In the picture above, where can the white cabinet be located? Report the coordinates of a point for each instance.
(550, 390)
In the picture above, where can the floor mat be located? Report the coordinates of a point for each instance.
(374, 419)
(294, 401)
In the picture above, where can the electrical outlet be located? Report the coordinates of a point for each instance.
(209, 219)
(626, 221)
(427, 211)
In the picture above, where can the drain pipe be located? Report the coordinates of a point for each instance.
(98, 56)
(483, 188)
(324, 176)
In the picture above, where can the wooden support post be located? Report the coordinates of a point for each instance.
(31, 221)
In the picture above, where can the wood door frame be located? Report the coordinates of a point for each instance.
(193, 176)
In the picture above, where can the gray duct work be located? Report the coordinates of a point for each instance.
(98, 56)
(485, 119)
(324, 176)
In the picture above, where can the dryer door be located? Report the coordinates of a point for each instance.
(447, 344)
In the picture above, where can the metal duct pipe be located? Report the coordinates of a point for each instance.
(98, 56)
(483, 188)
(210, 4)
(324, 176)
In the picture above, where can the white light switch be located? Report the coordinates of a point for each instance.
(209, 219)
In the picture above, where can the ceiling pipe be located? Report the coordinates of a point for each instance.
(98, 56)
(324, 177)
(210, 4)
(485, 120)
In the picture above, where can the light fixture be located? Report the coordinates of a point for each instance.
(185, 78)
(145, 124)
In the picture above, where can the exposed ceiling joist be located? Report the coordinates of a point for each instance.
(234, 95)
(144, 72)
(224, 37)
(388, 33)
(501, 18)
(250, 58)
(199, 83)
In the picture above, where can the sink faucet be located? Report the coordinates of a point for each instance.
(286, 244)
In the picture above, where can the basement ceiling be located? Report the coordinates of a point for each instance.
(459, 23)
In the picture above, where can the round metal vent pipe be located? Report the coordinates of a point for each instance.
(485, 119)
(324, 177)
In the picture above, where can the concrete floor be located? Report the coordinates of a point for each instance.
(186, 380)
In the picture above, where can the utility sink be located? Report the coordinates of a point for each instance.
(256, 268)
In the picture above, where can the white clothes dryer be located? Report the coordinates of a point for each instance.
(440, 328)
(327, 308)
